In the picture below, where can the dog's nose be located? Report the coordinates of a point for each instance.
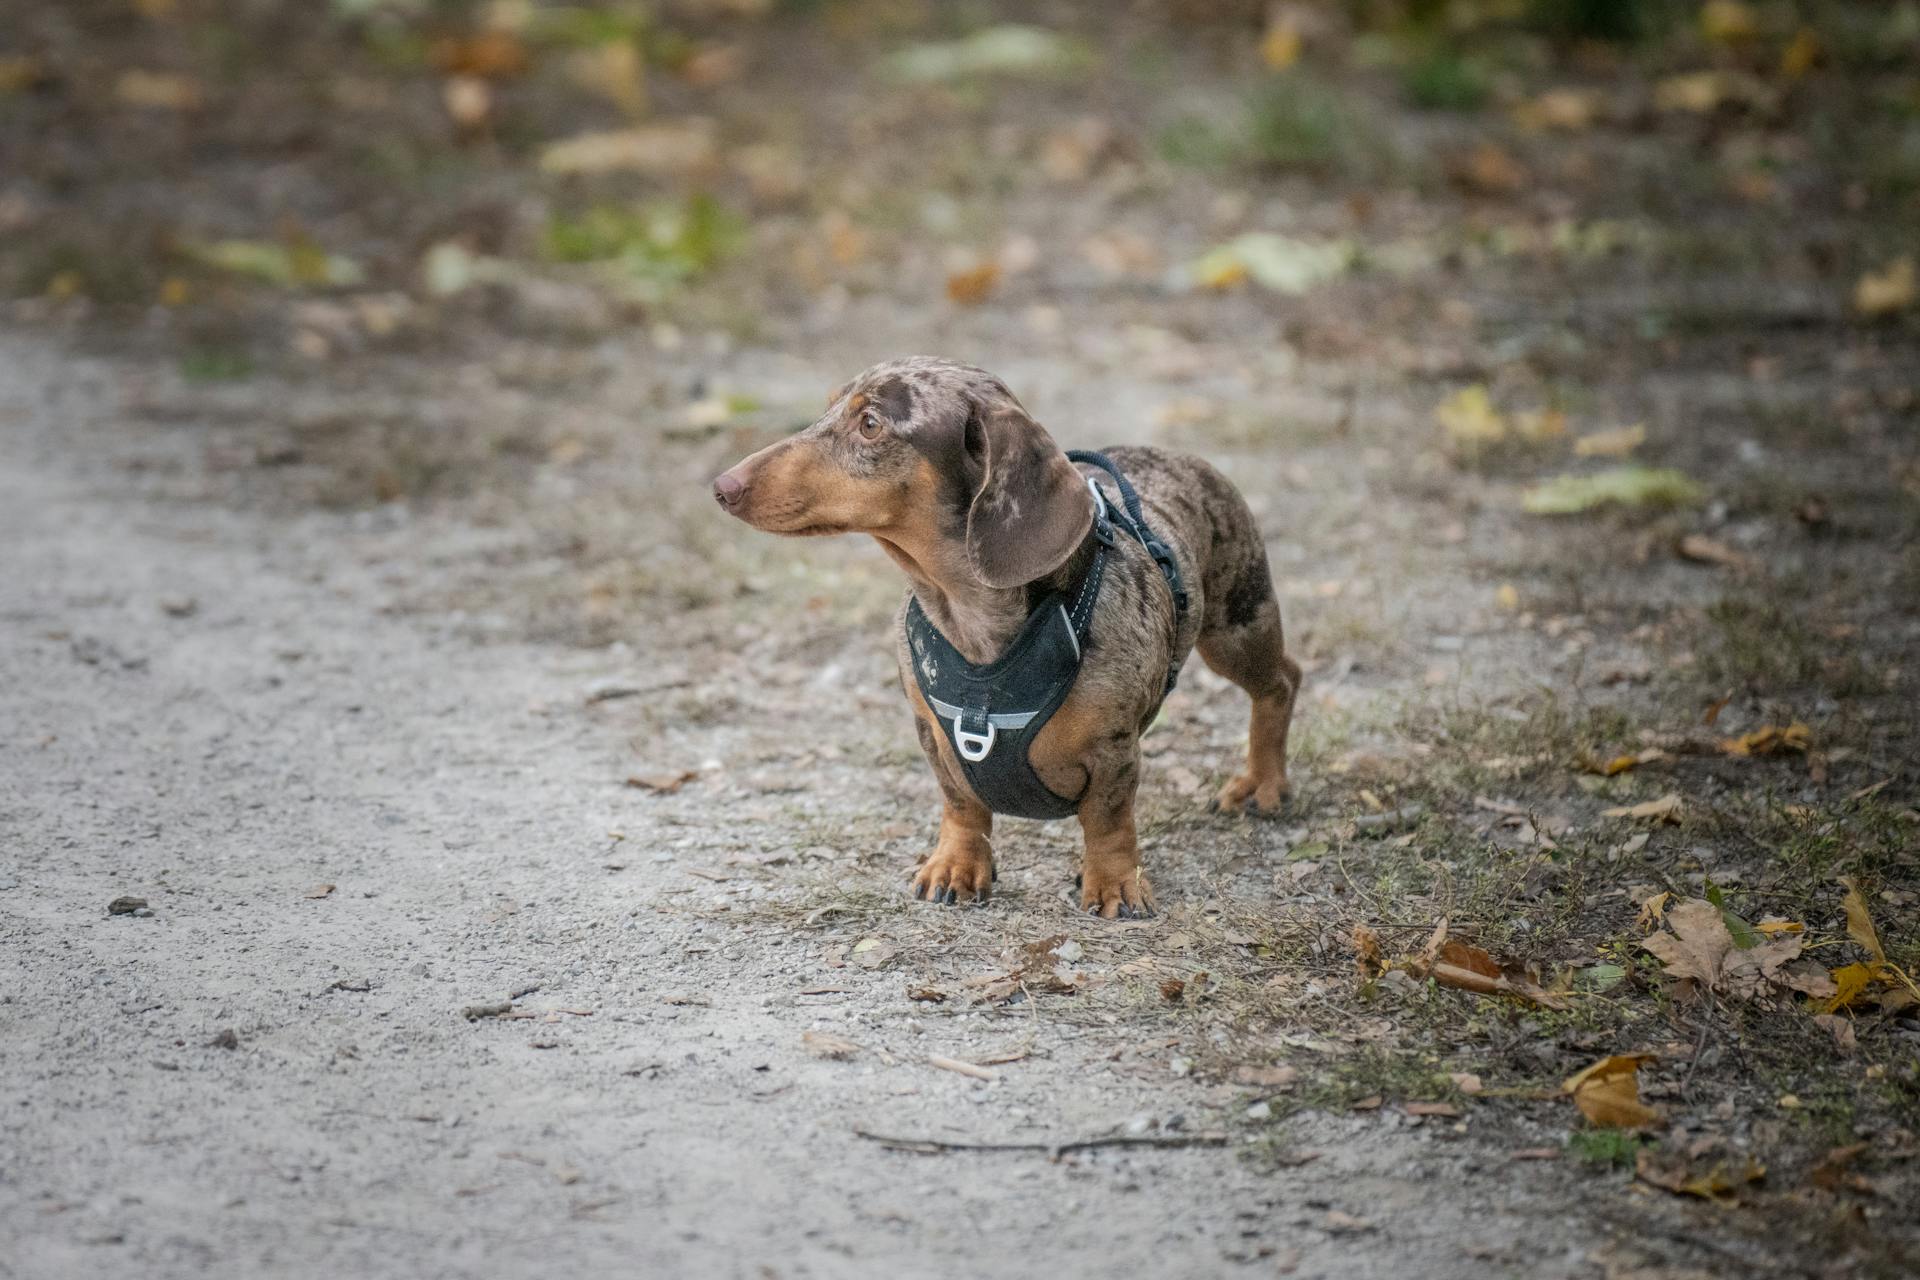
(728, 489)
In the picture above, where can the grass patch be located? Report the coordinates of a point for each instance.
(1294, 125)
(657, 246)
(1607, 1148)
(1443, 80)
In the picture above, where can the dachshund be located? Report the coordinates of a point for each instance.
(989, 519)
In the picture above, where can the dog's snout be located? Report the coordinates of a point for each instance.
(728, 489)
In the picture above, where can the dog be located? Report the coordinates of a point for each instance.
(992, 523)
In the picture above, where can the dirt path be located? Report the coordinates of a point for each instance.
(211, 711)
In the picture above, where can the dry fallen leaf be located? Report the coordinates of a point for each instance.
(495, 55)
(1279, 1077)
(1675, 1171)
(971, 287)
(1608, 1093)
(1280, 46)
(319, 891)
(1617, 443)
(665, 783)
(655, 148)
(1769, 740)
(1701, 549)
(1860, 920)
(1893, 288)
(1469, 418)
(1367, 956)
(1570, 109)
(1653, 911)
(1702, 947)
(824, 1044)
(1665, 809)
(157, 90)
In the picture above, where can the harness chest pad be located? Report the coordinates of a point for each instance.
(991, 714)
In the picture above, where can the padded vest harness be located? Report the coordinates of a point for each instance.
(991, 714)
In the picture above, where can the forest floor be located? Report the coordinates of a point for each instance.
(522, 846)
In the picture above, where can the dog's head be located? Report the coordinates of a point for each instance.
(938, 460)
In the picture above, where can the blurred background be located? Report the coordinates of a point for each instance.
(1545, 304)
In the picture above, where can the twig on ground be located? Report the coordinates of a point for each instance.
(1052, 1150)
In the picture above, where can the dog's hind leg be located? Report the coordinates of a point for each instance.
(1246, 646)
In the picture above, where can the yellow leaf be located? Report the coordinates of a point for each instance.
(1280, 47)
(1800, 54)
(1860, 922)
(1728, 21)
(1608, 1093)
(1769, 740)
(1223, 272)
(157, 90)
(1507, 597)
(1468, 417)
(1850, 983)
(1570, 109)
(1773, 928)
(1893, 288)
(1654, 910)
(1617, 443)
(1665, 809)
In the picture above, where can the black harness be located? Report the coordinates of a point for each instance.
(992, 713)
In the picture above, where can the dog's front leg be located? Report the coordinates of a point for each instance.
(960, 868)
(1111, 883)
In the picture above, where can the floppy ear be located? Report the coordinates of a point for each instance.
(1032, 509)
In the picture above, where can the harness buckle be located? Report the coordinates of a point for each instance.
(973, 747)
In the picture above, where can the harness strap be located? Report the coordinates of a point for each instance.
(1135, 523)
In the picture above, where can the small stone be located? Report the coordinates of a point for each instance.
(1259, 1111)
(125, 906)
(227, 1039)
(1181, 1066)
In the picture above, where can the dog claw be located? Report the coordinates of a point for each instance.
(953, 896)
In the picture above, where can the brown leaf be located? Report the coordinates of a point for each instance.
(1769, 740)
(1276, 1077)
(1608, 1093)
(1442, 1109)
(1714, 708)
(1831, 1173)
(492, 54)
(665, 783)
(1674, 1171)
(927, 995)
(1860, 921)
(1448, 975)
(971, 287)
(1701, 549)
(824, 1044)
(1841, 1029)
(1653, 911)
(1172, 990)
(1665, 809)
(1367, 956)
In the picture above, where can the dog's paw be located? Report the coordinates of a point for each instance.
(1126, 896)
(955, 873)
(1262, 797)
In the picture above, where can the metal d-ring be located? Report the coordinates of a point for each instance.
(973, 747)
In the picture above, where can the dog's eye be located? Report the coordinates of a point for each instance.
(870, 426)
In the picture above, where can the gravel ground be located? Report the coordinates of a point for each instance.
(216, 712)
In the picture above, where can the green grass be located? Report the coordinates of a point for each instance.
(1445, 81)
(1296, 124)
(661, 244)
(1608, 1148)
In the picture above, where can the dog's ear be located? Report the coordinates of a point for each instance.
(1032, 508)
